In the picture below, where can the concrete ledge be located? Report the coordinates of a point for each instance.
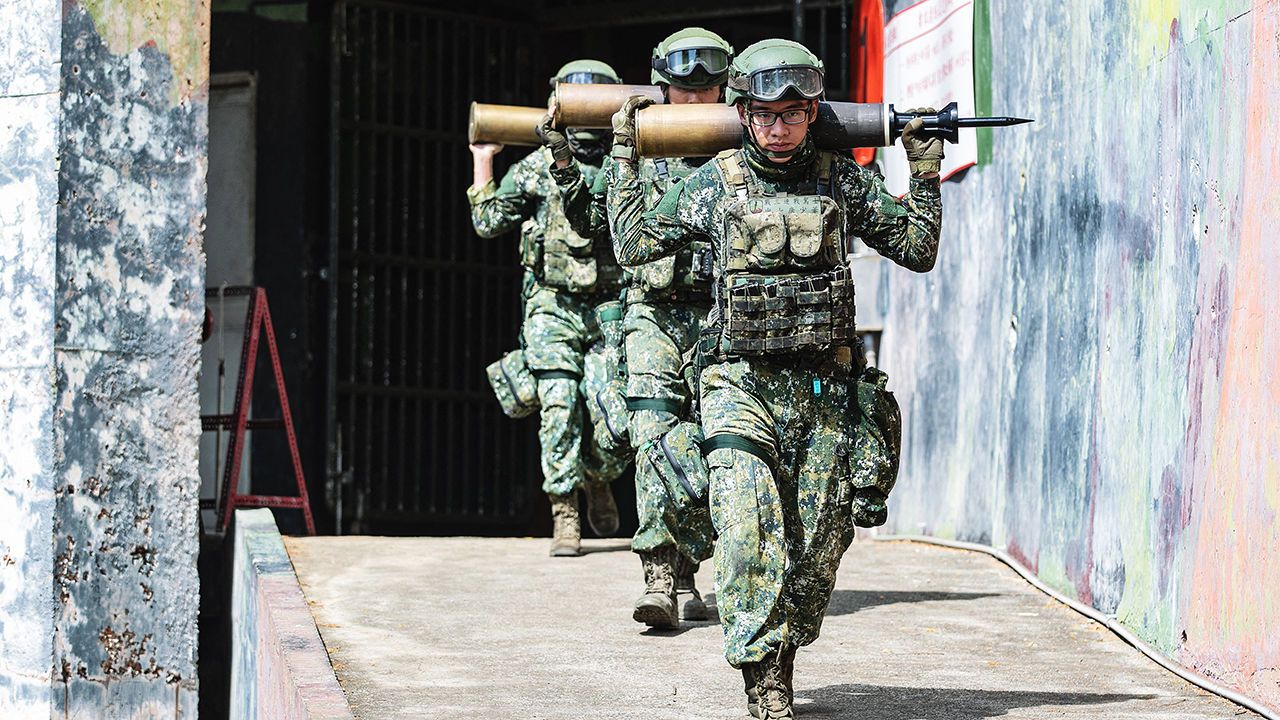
(279, 666)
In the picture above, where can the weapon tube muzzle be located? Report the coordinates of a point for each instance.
(592, 106)
(687, 130)
(506, 124)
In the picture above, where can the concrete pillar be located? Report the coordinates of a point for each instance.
(102, 196)
(30, 42)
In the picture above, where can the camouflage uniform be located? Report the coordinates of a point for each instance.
(787, 449)
(559, 333)
(661, 325)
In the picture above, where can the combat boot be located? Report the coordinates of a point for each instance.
(602, 511)
(688, 599)
(657, 607)
(768, 685)
(566, 533)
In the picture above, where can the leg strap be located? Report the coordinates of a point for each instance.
(555, 375)
(661, 404)
(737, 442)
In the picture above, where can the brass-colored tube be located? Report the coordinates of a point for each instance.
(506, 124)
(702, 130)
(593, 106)
(695, 130)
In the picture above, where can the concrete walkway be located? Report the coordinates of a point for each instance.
(492, 628)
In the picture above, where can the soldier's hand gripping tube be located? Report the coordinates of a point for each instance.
(624, 127)
(505, 124)
(554, 140)
(924, 152)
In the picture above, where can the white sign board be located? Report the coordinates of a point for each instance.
(928, 62)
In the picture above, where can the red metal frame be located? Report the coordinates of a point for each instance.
(258, 323)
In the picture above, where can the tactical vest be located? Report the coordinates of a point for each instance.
(785, 286)
(685, 275)
(563, 259)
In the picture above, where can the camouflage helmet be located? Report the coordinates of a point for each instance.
(770, 69)
(585, 72)
(692, 58)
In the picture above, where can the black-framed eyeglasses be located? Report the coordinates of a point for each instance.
(765, 118)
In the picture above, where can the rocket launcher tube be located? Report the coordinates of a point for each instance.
(506, 124)
(592, 106)
(699, 130)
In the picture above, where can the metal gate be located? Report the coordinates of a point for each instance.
(418, 304)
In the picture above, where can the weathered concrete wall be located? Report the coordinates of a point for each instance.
(279, 668)
(102, 167)
(130, 298)
(1090, 378)
(29, 53)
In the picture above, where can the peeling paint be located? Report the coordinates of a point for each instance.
(178, 29)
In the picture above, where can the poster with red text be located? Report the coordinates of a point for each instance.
(928, 61)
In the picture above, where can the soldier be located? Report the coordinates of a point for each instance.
(566, 277)
(801, 438)
(665, 305)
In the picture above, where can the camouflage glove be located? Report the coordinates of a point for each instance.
(554, 140)
(923, 153)
(870, 508)
(624, 127)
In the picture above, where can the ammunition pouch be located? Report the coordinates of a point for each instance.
(531, 246)
(514, 385)
(685, 276)
(877, 423)
(578, 269)
(786, 314)
(678, 460)
(783, 234)
(568, 261)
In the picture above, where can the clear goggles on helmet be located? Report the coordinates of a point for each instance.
(771, 84)
(587, 78)
(682, 63)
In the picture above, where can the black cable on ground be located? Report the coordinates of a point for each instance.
(1106, 621)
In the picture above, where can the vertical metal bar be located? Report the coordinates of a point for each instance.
(401, 379)
(822, 35)
(337, 46)
(437, 474)
(421, 274)
(383, 267)
(845, 41)
(372, 242)
(797, 21)
(353, 319)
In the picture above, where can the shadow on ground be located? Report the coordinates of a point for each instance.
(846, 602)
(886, 702)
(609, 546)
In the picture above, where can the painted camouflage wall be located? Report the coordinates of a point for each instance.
(1090, 378)
(101, 295)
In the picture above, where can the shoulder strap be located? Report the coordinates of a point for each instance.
(729, 162)
(825, 159)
